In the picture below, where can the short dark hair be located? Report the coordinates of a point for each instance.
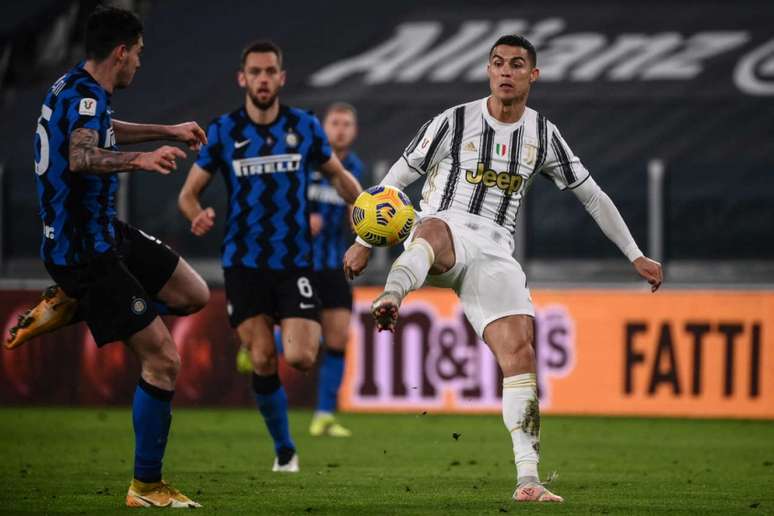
(263, 45)
(514, 40)
(338, 107)
(109, 27)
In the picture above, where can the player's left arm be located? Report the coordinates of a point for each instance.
(601, 208)
(566, 170)
(341, 179)
(189, 133)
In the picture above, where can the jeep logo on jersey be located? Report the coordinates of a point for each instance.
(508, 183)
(267, 165)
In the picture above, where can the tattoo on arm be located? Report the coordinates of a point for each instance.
(86, 155)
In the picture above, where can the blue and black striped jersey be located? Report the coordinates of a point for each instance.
(329, 245)
(77, 209)
(266, 169)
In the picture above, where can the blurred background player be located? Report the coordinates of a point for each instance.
(480, 158)
(110, 270)
(265, 152)
(331, 228)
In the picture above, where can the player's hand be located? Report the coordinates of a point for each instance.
(650, 270)
(315, 223)
(162, 160)
(356, 260)
(203, 222)
(189, 133)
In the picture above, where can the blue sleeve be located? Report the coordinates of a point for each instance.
(320, 151)
(210, 155)
(86, 112)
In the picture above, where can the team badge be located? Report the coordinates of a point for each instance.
(291, 140)
(501, 150)
(87, 107)
(138, 306)
(530, 153)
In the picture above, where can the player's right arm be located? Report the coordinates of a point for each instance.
(202, 219)
(86, 156)
(428, 147)
(209, 160)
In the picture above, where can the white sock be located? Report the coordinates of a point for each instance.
(409, 271)
(521, 415)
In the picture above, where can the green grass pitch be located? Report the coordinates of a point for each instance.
(80, 460)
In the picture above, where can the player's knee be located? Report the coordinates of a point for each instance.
(264, 359)
(301, 359)
(198, 298)
(336, 339)
(193, 299)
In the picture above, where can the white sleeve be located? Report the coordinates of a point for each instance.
(430, 145)
(604, 212)
(400, 175)
(561, 165)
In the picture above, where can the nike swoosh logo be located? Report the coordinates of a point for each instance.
(239, 145)
(304, 306)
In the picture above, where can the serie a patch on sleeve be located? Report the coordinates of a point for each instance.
(88, 107)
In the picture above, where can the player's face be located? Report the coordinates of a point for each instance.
(341, 129)
(263, 78)
(129, 63)
(510, 73)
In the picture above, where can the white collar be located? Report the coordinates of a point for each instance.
(495, 123)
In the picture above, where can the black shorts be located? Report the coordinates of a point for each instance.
(334, 289)
(115, 290)
(277, 293)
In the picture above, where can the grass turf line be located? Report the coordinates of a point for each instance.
(80, 460)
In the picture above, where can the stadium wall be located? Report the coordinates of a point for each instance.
(602, 352)
(689, 83)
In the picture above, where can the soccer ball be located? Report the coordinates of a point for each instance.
(383, 216)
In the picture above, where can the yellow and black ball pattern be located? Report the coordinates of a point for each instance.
(383, 216)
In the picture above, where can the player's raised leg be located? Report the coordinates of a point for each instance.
(152, 417)
(511, 339)
(55, 310)
(430, 251)
(335, 329)
(183, 294)
(257, 334)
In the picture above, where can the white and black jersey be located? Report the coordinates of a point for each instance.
(475, 164)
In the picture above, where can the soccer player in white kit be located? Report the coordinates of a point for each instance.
(478, 159)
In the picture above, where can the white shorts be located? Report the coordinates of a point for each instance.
(488, 280)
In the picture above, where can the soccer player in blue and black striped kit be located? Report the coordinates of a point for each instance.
(120, 278)
(265, 151)
(332, 234)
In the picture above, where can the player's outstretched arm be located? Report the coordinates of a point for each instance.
(202, 219)
(341, 179)
(87, 157)
(400, 174)
(356, 258)
(188, 132)
(604, 212)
